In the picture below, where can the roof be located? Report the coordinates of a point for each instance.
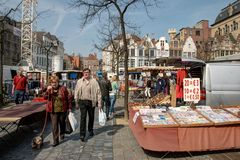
(180, 62)
(227, 13)
(136, 70)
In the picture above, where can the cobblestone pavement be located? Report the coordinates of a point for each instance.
(113, 141)
(71, 148)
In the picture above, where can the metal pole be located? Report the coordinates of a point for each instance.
(1, 63)
(47, 62)
(47, 68)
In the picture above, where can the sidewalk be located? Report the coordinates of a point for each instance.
(100, 146)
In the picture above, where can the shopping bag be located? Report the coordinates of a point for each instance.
(68, 128)
(73, 121)
(101, 117)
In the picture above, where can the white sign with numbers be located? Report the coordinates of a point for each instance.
(191, 89)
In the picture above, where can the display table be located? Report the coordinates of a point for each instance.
(185, 138)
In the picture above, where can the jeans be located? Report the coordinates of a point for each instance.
(112, 100)
(19, 96)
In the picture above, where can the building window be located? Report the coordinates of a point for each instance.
(193, 54)
(162, 43)
(151, 53)
(231, 52)
(197, 33)
(175, 44)
(140, 62)
(222, 53)
(132, 52)
(132, 63)
(235, 25)
(171, 53)
(227, 52)
(146, 62)
(140, 52)
(146, 53)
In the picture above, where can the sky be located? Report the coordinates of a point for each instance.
(59, 19)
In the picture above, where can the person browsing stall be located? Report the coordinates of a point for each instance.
(20, 87)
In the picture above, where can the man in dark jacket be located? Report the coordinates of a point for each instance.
(106, 87)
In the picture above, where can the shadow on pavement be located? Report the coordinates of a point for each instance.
(9, 144)
(188, 154)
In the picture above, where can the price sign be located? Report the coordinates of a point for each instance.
(191, 89)
(135, 117)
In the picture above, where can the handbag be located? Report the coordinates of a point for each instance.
(73, 121)
(101, 118)
(68, 127)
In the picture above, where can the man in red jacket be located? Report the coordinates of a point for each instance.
(20, 86)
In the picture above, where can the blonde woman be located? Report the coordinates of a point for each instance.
(113, 94)
(58, 103)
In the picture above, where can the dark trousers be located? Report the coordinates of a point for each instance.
(19, 96)
(58, 120)
(86, 107)
(106, 105)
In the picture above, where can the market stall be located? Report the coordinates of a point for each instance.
(185, 129)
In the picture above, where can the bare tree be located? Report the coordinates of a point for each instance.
(96, 9)
(110, 42)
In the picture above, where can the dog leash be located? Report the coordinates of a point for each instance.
(44, 124)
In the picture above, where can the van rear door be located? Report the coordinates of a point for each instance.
(222, 84)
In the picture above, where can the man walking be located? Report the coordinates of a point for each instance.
(87, 95)
(105, 86)
(20, 86)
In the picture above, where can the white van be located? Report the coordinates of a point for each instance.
(221, 82)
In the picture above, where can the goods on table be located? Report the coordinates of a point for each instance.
(189, 117)
(233, 110)
(159, 99)
(218, 116)
(156, 117)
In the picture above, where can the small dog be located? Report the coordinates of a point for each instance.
(37, 142)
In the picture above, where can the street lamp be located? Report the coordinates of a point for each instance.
(48, 48)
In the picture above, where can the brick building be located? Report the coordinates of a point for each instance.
(11, 38)
(90, 62)
(199, 33)
(72, 62)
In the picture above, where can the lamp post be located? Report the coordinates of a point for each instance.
(47, 61)
(48, 49)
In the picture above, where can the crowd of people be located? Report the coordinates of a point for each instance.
(89, 92)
